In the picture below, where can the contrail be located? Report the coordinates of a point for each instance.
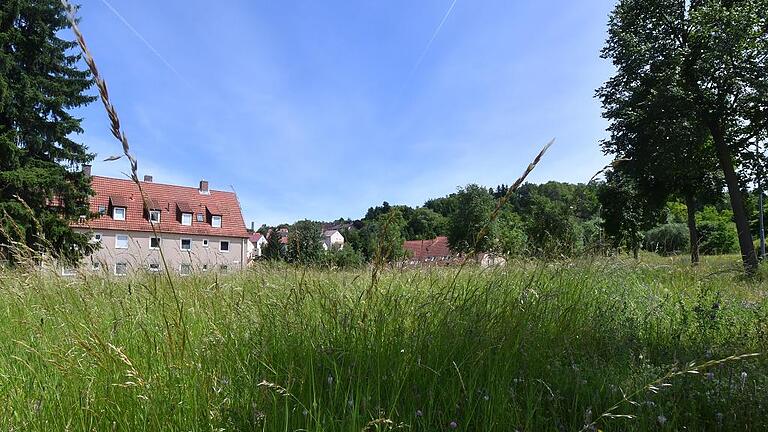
(145, 41)
(432, 39)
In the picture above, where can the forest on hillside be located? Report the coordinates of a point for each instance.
(550, 220)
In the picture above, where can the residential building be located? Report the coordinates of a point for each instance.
(332, 240)
(196, 229)
(436, 250)
(256, 241)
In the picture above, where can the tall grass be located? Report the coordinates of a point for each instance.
(529, 347)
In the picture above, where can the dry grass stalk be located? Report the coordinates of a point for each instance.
(500, 205)
(655, 386)
(120, 135)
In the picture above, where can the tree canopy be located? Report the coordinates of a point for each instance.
(42, 186)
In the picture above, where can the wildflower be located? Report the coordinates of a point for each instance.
(330, 379)
(419, 413)
(305, 412)
(351, 402)
(453, 425)
(719, 417)
(743, 377)
(709, 376)
(661, 420)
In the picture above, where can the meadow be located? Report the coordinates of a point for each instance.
(606, 344)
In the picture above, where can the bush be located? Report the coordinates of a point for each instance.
(717, 232)
(667, 239)
(717, 238)
(346, 258)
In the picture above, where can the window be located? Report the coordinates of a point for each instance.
(205, 243)
(186, 219)
(68, 271)
(121, 241)
(118, 213)
(154, 267)
(185, 269)
(186, 244)
(121, 268)
(224, 246)
(154, 243)
(102, 209)
(216, 221)
(154, 216)
(96, 238)
(200, 217)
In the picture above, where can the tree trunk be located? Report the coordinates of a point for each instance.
(690, 202)
(748, 256)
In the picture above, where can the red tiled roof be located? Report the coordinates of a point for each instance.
(424, 249)
(183, 206)
(167, 198)
(118, 201)
(254, 237)
(213, 209)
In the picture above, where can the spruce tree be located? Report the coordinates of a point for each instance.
(42, 186)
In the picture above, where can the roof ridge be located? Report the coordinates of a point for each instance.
(161, 184)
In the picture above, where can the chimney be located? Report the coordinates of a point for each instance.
(147, 178)
(203, 187)
(87, 170)
(253, 226)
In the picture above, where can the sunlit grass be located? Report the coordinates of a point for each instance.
(529, 347)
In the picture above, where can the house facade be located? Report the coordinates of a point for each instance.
(332, 240)
(256, 242)
(196, 229)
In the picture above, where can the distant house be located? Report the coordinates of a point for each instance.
(197, 229)
(256, 241)
(436, 250)
(332, 240)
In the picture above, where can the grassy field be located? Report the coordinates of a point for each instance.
(532, 347)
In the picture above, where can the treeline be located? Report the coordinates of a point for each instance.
(550, 220)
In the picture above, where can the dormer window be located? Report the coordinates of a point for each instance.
(216, 221)
(154, 216)
(184, 213)
(102, 209)
(200, 217)
(118, 204)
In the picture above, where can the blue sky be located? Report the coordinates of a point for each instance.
(321, 109)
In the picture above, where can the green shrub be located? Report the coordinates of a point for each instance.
(667, 239)
(717, 232)
(716, 238)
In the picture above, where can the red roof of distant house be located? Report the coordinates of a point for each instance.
(255, 237)
(170, 200)
(423, 249)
